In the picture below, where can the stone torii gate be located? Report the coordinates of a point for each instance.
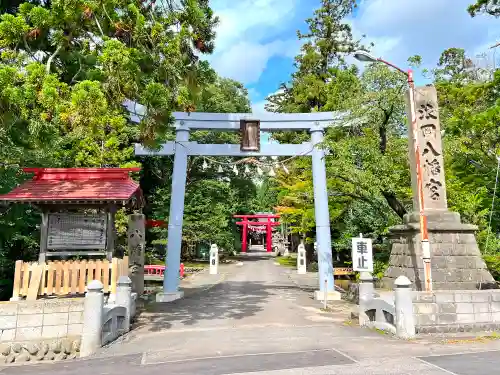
(181, 148)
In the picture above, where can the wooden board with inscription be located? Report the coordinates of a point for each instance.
(343, 271)
(76, 231)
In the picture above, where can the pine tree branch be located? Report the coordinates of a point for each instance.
(49, 61)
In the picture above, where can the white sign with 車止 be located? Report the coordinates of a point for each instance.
(362, 254)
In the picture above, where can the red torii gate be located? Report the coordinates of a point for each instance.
(245, 223)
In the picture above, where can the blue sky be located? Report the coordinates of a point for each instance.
(256, 39)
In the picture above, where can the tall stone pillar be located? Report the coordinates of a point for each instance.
(455, 257)
(136, 235)
(322, 216)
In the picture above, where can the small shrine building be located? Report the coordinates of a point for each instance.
(78, 208)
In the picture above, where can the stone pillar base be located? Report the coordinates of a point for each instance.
(169, 297)
(455, 257)
(330, 296)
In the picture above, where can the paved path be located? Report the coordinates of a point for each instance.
(258, 320)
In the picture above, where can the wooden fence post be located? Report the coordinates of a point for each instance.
(63, 278)
(16, 290)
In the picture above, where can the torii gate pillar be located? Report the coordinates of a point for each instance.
(182, 148)
(322, 216)
(174, 243)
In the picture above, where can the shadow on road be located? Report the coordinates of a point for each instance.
(229, 300)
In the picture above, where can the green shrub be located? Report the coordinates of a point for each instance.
(379, 268)
(312, 267)
(493, 264)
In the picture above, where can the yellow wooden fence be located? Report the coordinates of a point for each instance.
(64, 278)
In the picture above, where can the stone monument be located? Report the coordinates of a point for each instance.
(136, 235)
(455, 257)
(278, 243)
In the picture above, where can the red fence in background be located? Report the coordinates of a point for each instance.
(154, 270)
(150, 223)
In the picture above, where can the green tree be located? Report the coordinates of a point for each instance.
(456, 67)
(85, 58)
(367, 168)
(491, 7)
(224, 95)
(372, 151)
(66, 69)
(322, 81)
(295, 197)
(321, 62)
(368, 171)
(265, 196)
(469, 109)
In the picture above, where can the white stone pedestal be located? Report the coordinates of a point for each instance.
(330, 296)
(214, 259)
(169, 297)
(301, 260)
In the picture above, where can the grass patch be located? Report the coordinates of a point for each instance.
(380, 331)
(287, 261)
(478, 339)
(195, 264)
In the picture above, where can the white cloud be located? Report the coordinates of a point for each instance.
(245, 61)
(259, 107)
(251, 32)
(253, 92)
(247, 36)
(403, 28)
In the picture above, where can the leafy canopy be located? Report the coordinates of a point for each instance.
(491, 7)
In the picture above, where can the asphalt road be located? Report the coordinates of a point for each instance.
(317, 362)
(480, 363)
(257, 321)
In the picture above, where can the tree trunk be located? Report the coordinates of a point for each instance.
(383, 139)
(391, 198)
(295, 239)
(394, 203)
(383, 130)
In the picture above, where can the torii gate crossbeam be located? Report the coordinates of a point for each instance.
(181, 148)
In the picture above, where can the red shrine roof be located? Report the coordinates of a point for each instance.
(76, 185)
